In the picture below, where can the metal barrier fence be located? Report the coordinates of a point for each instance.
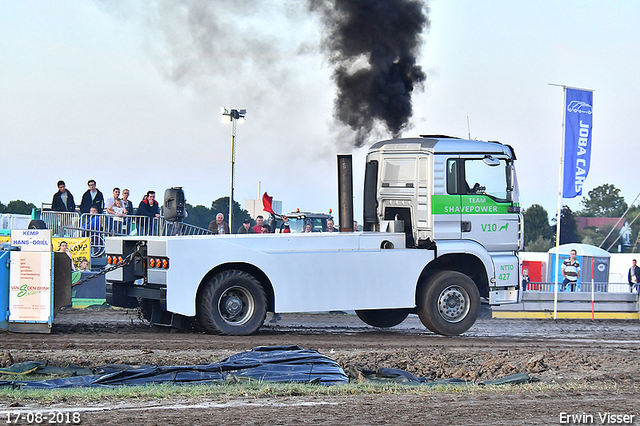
(583, 287)
(59, 221)
(14, 221)
(99, 226)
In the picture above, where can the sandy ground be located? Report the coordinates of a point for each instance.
(595, 364)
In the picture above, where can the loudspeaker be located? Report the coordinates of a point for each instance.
(174, 203)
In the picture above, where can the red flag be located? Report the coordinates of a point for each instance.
(266, 203)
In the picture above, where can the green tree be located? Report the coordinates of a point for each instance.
(2, 207)
(18, 207)
(536, 225)
(568, 227)
(603, 201)
(635, 226)
(539, 245)
(199, 216)
(221, 205)
(594, 236)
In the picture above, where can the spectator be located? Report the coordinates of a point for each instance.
(246, 228)
(119, 213)
(259, 221)
(355, 225)
(285, 226)
(266, 229)
(63, 248)
(77, 274)
(308, 227)
(571, 272)
(128, 206)
(84, 265)
(150, 208)
(525, 279)
(92, 198)
(331, 226)
(63, 200)
(92, 220)
(111, 200)
(126, 202)
(634, 275)
(219, 226)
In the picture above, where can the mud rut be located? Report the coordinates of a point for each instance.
(596, 362)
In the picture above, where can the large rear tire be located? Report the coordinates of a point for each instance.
(383, 318)
(449, 303)
(232, 303)
(37, 224)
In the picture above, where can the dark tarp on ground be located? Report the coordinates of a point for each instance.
(269, 364)
(284, 364)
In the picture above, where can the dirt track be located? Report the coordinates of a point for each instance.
(597, 361)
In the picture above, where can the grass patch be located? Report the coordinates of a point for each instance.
(80, 396)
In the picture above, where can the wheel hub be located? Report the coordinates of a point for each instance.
(453, 304)
(232, 305)
(236, 305)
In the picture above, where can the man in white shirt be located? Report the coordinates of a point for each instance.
(571, 272)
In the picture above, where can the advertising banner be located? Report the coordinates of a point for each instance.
(78, 248)
(30, 286)
(32, 239)
(577, 140)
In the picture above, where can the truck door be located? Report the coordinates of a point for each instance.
(446, 199)
(487, 216)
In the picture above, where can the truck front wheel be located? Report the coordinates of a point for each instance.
(449, 303)
(383, 317)
(232, 303)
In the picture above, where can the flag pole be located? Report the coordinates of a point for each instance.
(593, 303)
(560, 178)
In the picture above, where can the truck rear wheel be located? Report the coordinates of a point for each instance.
(232, 303)
(449, 304)
(383, 317)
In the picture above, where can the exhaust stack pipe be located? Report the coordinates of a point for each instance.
(345, 193)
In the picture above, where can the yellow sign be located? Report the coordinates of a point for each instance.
(78, 248)
(5, 239)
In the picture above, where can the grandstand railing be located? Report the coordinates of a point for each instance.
(99, 226)
(582, 287)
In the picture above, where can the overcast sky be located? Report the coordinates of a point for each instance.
(130, 95)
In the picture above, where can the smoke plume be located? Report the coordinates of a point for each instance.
(372, 45)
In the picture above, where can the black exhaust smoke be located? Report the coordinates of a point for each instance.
(373, 46)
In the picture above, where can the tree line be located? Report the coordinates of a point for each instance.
(602, 201)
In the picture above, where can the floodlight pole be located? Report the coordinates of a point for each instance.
(234, 116)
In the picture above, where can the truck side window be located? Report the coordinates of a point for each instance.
(485, 179)
(452, 176)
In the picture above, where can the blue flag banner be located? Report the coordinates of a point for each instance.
(577, 140)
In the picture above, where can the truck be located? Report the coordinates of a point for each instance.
(441, 233)
(298, 220)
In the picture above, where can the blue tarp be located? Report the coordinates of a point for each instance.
(289, 364)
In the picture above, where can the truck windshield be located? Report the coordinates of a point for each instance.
(297, 224)
(486, 179)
